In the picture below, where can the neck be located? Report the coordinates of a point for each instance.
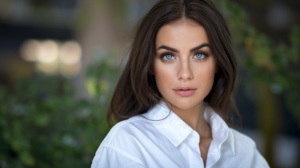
(194, 118)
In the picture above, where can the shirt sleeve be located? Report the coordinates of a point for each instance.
(115, 158)
(259, 161)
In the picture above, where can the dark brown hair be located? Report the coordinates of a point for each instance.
(136, 91)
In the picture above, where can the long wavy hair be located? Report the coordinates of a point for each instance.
(136, 91)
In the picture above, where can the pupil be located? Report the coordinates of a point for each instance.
(169, 56)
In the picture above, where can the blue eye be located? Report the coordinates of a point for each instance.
(168, 57)
(199, 56)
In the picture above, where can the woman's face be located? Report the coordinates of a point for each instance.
(184, 67)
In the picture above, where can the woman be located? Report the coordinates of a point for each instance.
(175, 87)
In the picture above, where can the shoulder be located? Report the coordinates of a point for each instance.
(242, 144)
(242, 140)
(245, 148)
(123, 130)
(122, 144)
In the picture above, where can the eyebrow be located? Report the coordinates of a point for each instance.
(176, 51)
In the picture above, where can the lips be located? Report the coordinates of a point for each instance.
(185, 91)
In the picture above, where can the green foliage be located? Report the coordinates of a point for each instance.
(275, 65)
(43, 125)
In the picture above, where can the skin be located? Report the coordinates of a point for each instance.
(185, 68)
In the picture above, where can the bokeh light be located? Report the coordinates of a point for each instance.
(30, 50)
(52, 57)
(70, 53)
(48, 51)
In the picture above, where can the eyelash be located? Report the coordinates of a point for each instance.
(162, 56)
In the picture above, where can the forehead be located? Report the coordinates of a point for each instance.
(180, 34)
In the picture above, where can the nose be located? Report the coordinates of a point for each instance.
(185, 72)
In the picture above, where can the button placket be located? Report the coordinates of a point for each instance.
(195, 159)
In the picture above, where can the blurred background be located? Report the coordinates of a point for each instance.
(60, 60)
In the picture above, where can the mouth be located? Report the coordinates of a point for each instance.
(185, 91)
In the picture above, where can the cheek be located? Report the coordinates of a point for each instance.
(206, 74)
(204, 78)
(163, 75)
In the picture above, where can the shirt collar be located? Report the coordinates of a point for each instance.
(168, 123)
(176, 130)
(219, 128)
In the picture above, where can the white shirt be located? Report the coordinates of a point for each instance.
(170, 143)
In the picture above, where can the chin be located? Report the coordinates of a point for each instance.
(184, 104)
